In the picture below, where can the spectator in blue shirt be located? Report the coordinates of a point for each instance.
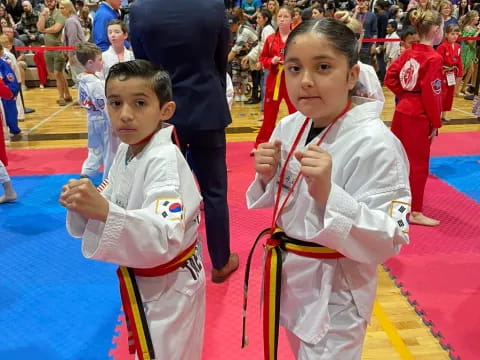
(107, 11)
(250, 9)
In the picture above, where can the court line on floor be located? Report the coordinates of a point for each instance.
(49, 117)
(463, 111)
(392, 332)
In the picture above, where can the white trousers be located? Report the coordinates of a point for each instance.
(175, 310)
(98, 146)
(346, 333)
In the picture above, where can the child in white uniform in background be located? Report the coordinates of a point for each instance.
(146, 216)
(230, 91)
(346, 214)
(368, 85)
(91, 96)
(117, 52)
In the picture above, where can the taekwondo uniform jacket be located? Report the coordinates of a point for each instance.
(416, 78)
(364, 219)
(368, 85)
(9, 105)
(452, 58)
(110, 58)
(274, 46)
(153, 216)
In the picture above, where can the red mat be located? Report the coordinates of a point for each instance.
(439, 270)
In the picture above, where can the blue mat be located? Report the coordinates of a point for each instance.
(461, 172)
(54, 304)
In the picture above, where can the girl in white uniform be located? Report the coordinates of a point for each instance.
(145, 218)
(347, 212)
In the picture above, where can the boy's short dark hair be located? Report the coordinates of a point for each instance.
(122, 25)
(406, 32)
(87, 51)
(157, 76)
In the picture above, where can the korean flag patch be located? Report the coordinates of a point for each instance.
(437, 86)
(169, 209)
(10, 77)
(398, 211)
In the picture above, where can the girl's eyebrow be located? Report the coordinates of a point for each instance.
(318, 57)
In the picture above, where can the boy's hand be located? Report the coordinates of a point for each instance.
(316, 167)
(267, 158)
(82, 197)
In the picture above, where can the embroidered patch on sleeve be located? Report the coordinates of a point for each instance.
(437, 86)
(169, 209)
(398, 211)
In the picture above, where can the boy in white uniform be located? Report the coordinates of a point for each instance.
(145, 217)
(347, 212)
(117, 52)
(91, 96)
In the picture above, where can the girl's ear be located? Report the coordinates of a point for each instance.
(353, 76)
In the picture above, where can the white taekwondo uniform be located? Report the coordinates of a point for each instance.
(326, 303)
(368, 85)
(102, 142)
(153, 216)
(110, 58)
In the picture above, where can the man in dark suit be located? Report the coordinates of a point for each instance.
(190, 40)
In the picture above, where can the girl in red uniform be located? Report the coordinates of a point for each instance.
(452, 67)
(272, 60)
(9, 194)
(416, 79)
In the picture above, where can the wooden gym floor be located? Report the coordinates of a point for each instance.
(396, 331)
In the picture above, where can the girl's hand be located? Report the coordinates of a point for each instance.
(432, 135)
(316, 167)
(82, 197)
(244, 62)
(267, 158)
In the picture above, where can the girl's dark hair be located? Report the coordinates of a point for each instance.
(341, 38)
(143, 69)
(266, 14)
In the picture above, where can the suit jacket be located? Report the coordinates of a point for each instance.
(190, 40)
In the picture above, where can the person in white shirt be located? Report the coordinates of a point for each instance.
(392, 49)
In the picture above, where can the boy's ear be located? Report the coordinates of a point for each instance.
(167, 110)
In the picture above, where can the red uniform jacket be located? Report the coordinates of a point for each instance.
(451, 57)
(274, 46)
(5, 93)
(416, 78)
